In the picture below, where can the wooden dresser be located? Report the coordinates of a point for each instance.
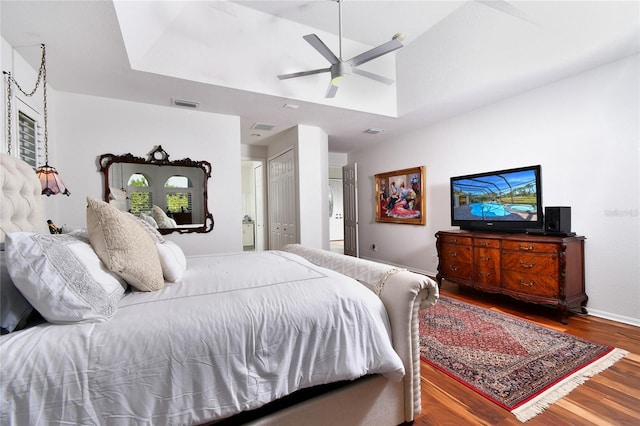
(545, 269)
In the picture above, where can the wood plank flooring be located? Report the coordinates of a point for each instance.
(609, 398)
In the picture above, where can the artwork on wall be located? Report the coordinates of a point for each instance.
(400, 196)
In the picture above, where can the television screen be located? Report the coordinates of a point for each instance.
(504, 200)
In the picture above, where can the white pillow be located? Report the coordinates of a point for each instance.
(62, 277)
(173, 261)
(124, 246)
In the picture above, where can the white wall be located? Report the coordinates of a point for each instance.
(584, 133)
(313, 186)
(88, 126)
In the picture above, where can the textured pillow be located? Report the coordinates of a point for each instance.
(172, 260)
(14, 308)
(62, 277)
(124, 246)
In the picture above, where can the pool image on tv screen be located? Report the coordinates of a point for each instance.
(499, 196)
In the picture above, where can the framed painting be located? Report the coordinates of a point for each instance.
(400, 196)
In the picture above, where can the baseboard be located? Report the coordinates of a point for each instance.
(614, 317)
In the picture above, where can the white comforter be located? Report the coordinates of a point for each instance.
(239, 331)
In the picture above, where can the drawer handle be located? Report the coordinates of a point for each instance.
(486, 274)
(453, 268)
(527, 284)
(486, 259)
(483, 243)
(527, 265)
(455, 240)
(526, 248)
(453, 253)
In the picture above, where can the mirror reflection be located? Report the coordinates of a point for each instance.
(169, 195)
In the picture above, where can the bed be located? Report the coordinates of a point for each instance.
(295, 336)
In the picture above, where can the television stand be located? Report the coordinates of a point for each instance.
(544, 269)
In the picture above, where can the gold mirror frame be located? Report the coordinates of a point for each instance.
(159, 157)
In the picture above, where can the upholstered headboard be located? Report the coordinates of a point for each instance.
(20, 199)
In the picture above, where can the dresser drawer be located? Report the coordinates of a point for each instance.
(455, 269)
(530, 246)
(486, 242)
(537, 285)
(487, 276)
(455, 239)
(486, 266)
(531, 263)
(455, 261)
(456, 253)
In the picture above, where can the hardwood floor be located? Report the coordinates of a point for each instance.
(609, 398)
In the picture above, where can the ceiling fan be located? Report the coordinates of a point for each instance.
(339, 67)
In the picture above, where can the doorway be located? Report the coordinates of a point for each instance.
(336, 220)
(253, 205)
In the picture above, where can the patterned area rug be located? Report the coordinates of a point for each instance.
(521, 366)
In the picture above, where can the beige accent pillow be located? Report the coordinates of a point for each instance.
(161, 218)
(124, 246)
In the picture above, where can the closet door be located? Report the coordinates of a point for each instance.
(282, 201)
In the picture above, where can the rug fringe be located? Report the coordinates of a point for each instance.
(537, 405)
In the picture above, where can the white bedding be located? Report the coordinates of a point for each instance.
(237, 332)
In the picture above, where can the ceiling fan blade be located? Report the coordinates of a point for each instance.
(372, 76)
(376, 52)
(303, 73)
(322, 48)
(331, 91)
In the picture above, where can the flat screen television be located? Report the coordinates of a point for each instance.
(502, 201)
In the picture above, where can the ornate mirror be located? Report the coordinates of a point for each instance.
(171, 195)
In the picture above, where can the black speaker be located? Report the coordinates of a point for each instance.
(557, 220)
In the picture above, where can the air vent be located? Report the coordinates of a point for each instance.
(373, 131)
(260, 126)
(186, 104)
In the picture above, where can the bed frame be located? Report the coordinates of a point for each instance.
(371, 400)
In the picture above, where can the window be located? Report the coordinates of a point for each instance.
(28, 139)
(140, 196)
(178, 190)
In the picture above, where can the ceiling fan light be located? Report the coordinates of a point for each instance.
(339, 70)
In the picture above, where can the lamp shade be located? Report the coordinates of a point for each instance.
(50, 180)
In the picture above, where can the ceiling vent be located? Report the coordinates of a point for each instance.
(260, 126)
(186, 104)
(373, 131)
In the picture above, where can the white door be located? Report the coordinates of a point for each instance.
(350, 208)
(336, 222)
(282, 201)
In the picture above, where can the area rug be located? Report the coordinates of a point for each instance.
(521, 366)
